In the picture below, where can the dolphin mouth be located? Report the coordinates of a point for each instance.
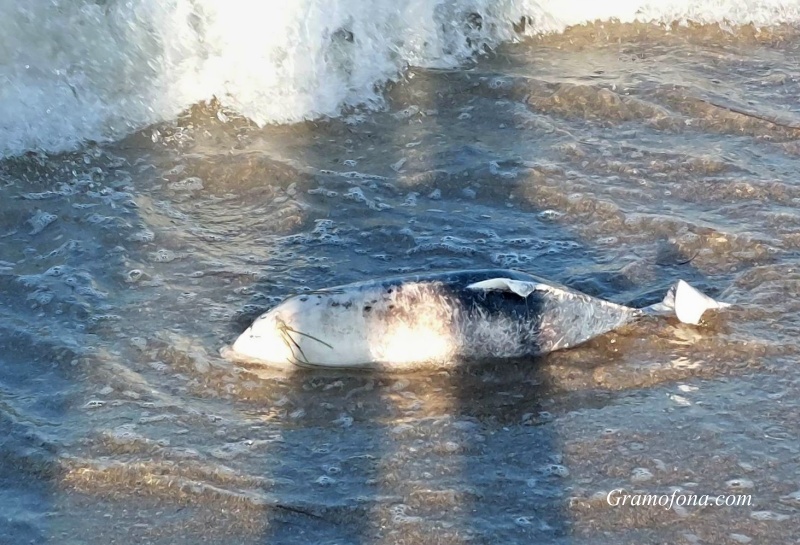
(229, 353)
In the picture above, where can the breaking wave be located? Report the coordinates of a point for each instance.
(78, 70)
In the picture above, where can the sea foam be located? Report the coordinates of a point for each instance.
(78, 70)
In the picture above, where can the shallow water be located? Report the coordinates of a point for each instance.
(613, 158)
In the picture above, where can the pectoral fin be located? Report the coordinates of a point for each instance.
(521, 288)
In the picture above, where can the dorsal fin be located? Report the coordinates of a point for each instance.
(520, 287)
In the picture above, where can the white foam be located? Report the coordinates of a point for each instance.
(76, 70)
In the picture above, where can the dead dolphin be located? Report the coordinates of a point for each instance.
(405, 322)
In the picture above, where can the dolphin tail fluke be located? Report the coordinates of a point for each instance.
(687, 303)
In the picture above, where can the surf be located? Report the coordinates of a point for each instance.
(142, 62)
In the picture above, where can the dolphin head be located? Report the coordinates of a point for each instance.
(265, 341)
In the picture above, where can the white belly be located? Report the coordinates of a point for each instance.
(392, 327)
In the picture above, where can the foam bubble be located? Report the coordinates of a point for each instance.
(40, 220)
(557, 470)
(641, 474)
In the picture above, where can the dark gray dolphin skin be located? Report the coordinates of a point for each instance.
(434, 319)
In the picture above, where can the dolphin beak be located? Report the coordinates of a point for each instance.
(263, 342)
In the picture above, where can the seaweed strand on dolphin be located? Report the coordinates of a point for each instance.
(286, 333)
